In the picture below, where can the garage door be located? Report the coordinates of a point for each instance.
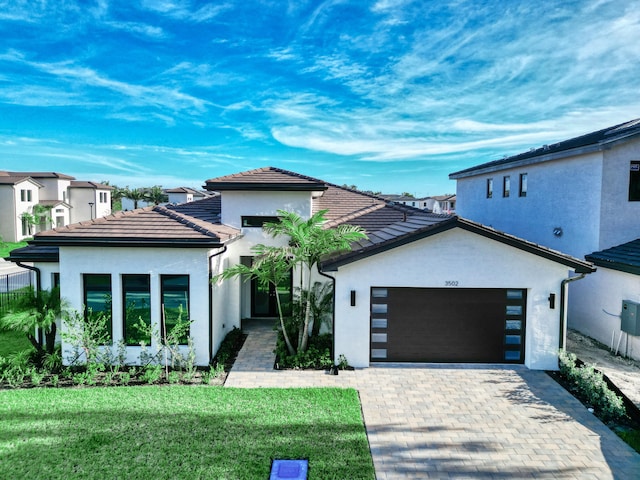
(447, 325)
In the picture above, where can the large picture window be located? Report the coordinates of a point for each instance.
(174, 292)
(136, 296)
(97, 297)
(634, 181)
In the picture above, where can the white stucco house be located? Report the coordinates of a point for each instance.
(422, 287)
(579, 196)
(57, 199)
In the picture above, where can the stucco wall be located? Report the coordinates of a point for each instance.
(238, 204)
(596, 303)
(76, 261)
(619, 217)
(562, 193)
(8, 217)
(456, 255)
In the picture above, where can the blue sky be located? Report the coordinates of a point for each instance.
(388, 95)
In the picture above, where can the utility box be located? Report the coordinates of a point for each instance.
(630, 322)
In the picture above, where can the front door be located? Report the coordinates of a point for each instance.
(263, 298)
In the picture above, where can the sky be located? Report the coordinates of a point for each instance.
(388, 95)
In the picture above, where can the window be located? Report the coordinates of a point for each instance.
(103, 197)
(634, 181)
(523, 185)
(25, 195)
(174, 292)
(136, 296)
(26, 226)
(257, 222)
(97, 297)
(506, 186)
(489, 187)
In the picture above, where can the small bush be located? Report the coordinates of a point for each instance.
(590, 386)
(152, 373)
(317, 356)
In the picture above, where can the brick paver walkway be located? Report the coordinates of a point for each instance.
(460, 421)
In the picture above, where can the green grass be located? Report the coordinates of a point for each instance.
(6, 247)
(631, 437)
(13, 342)
(180, 432)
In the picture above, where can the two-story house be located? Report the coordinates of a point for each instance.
(38, 201)
(421, 288)
(579, 196)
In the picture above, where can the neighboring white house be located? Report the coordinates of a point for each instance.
(183, 195)
(438, 204)
(578, 196)
(54, 198)
(422, 287)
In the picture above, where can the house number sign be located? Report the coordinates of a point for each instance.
(451, 283)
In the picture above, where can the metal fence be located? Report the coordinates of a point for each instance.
(13, 285)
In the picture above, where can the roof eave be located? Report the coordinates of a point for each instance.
(131, 242)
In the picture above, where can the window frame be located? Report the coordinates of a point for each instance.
(506, 186)
(133, 288)
(85, 290)
(523, 187)
(168, 288)
(257, 221)
(634, 181)
(489, 191)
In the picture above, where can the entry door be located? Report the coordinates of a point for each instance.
(263, 298)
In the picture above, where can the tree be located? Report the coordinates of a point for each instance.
(309, 241)
(270, 267)
(35, 310)
(156, 195)
(136, 195)
(117, 194)
(408, 195)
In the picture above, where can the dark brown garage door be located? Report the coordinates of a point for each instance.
(447, 325)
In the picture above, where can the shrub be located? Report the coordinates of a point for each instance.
(317, 355)
(590, 386)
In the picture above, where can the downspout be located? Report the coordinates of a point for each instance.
(224, 249)
(38, 290)
(333, 313)
(563, 300)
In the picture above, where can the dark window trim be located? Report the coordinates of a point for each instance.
(164, 289)
(634, 181)
(257, 221)
(124, 302)
(506, 186)
(84, 296)
(523, 185)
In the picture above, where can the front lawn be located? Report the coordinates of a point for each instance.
(180, 432)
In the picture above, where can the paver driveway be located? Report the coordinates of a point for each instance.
(426, 421)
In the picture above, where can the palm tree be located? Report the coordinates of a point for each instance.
(35, 310)
(156, 195)
(136, 195)
(309, 241)
(270, 267)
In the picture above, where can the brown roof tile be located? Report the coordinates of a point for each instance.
(266, 178)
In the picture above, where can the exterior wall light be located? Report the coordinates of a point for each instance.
(557, 231)
(353, 298)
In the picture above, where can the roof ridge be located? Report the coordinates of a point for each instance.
(186, 220)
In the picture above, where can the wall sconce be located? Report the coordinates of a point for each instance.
(353, 298)
(557, 231)
(552, 301)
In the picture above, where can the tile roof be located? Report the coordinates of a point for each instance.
(266, 178)
(594, 139)
(150, 226)
(15, 179)
(84, 184)
(624, 258)
(417, 227)
(36, 175)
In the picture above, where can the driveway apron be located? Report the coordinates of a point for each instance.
(460, 421)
